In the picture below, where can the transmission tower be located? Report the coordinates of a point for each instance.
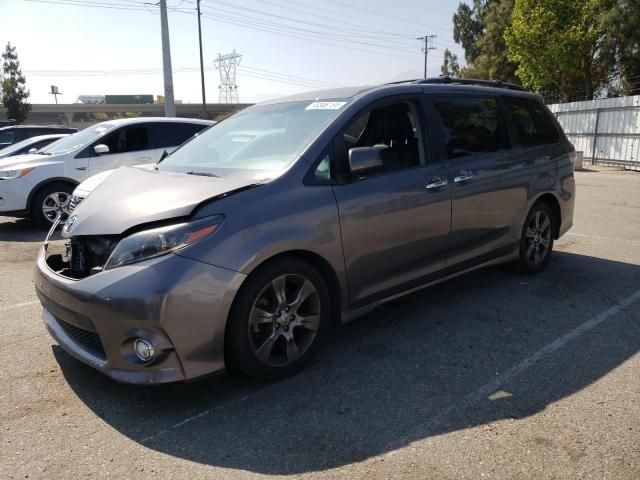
(227, 65)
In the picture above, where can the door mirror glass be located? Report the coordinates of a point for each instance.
(101, 149)
(364, 159)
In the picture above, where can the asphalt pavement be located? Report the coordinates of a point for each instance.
(490, 375)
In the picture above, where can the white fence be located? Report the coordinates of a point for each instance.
(607, 130)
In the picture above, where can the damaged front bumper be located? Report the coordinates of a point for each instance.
(177, 304)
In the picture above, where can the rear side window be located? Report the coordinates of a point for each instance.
(175, 134)
(471, 125)
(533, 123)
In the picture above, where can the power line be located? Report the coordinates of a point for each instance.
(346, 32)
(386, 16)
(259, 25)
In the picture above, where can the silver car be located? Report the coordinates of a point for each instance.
(241, 248)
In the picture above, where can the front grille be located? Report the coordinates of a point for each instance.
(90, 340)
(74, 201)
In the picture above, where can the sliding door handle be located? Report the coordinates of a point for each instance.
(436, 183)
(465, 177)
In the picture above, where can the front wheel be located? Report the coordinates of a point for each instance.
(278, 320)
(49, 202)
(536, 241)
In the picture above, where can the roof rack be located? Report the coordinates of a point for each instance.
(469, 81)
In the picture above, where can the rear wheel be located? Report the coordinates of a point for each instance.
(50, 201)
(536, 241)
(279, 320)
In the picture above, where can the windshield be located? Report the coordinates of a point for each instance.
(76, 140)
(260, 141)
(16, 147)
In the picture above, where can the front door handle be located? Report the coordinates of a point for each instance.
(436, 183)
(81, 168)
(465, 177)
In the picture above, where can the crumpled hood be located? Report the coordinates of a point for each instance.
(132, 196)
(28, 160)
(89, 185)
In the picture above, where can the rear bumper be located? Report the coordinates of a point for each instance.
(179, 305)
(567, 203)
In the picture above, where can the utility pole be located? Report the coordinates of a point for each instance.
(204, 98)
(426, 48)
(169, 104)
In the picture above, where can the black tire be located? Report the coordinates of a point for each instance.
(37, 214)
(534, 255)
(240, 342)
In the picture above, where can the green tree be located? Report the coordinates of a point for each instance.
(468, 27)
(562, 47)
(14, 92)
(450, 66)
(479, 29)
(623, 20)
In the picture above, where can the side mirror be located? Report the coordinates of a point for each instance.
(165, 154)
(32, 150)
(100, 149)
(364, 159)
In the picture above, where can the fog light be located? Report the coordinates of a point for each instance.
(144, 349)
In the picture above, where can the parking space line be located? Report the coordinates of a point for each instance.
(495, 384)
(18, 305)
(482, 392)
(201, 414)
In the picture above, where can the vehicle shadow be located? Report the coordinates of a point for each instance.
(415, 368)
(21, 230)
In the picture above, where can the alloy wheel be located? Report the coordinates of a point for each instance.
(284, 320)
(538, 237)
(55, 204)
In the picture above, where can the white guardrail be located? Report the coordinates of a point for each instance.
(607, 130)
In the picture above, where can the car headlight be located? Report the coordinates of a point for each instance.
(11, 174)
(160, 241)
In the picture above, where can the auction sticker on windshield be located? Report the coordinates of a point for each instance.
(325, 106)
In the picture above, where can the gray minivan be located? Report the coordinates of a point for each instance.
(242, 247)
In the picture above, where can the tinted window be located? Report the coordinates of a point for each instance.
(392, 129)
(532, 122)
(174, 134)
(471, 125)
(128, 139)
(7, 137)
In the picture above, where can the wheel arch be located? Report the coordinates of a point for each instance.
(550, 200)
(44, 183)
(323, 266)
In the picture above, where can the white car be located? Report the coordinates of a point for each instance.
(39, 185)
(30, 145)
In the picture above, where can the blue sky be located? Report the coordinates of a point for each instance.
(288, 46)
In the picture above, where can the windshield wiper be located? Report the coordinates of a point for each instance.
(204, 174)
(43, 153)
